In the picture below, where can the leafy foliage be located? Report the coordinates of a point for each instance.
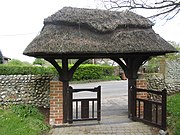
(39, 61)
(25, 111)
(15, 62)
(154, 63)
(84, 72)
(89, 72)
(25, 70)
(22, 120)
(173, 56)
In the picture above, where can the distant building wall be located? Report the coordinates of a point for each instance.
(172, 72)
(5, 59)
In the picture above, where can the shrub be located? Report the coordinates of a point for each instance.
(153, 65)
(22, 120)
(26, 70)
(89, 72)
(39, 61)
(83, 72)
(25, 111)
(15, 62)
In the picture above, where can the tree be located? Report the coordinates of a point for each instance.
(154, 64)
(174, 56)
(1, 57)
(168, 9)
(15, 62)
(39, 61)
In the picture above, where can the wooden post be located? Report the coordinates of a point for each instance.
(131, 97)
(65, 81)
(70, 114)
(133, 64)
(99, 103)
(132, 76)
(164, 100)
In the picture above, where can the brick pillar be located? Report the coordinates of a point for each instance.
(56, 103)
(142, 84)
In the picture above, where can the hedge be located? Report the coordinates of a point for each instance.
(89, 72)
(83, 72)
(25, 70)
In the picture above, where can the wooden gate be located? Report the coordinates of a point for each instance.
(84, 108)
(152, 109)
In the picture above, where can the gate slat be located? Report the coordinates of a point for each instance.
(76, 109)
(85, 105)
(148, 109)
(85, 109)
(92, 109)
(156, 113)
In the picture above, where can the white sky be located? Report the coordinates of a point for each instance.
(22, 20)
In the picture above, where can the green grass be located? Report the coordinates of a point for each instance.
(22, 120)
(173, 109)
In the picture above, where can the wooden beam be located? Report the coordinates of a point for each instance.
(123, 66)
(55, 64)
(133, 64)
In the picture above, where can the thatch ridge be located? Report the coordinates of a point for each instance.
(98, 20)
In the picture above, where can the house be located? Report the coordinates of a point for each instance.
(5, 59)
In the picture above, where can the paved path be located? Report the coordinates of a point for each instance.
(114, 116)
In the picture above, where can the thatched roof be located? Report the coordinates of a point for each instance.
(98, 20)
(75, 31)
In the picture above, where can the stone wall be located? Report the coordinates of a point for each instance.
(167, 78)
(172, 73)
(156, 81)
(29, 89)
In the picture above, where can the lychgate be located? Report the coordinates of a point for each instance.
(77, 33)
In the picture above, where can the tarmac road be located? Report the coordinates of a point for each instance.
(108, 88)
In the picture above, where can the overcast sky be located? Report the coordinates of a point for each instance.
(22, 20)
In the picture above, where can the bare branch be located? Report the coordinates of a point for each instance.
(174, 15)
(164, 7)
(167, 11)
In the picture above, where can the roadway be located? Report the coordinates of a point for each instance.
(108, 88)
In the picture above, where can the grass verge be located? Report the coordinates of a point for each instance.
(173, 109)
(105, 78)
(22, 120)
